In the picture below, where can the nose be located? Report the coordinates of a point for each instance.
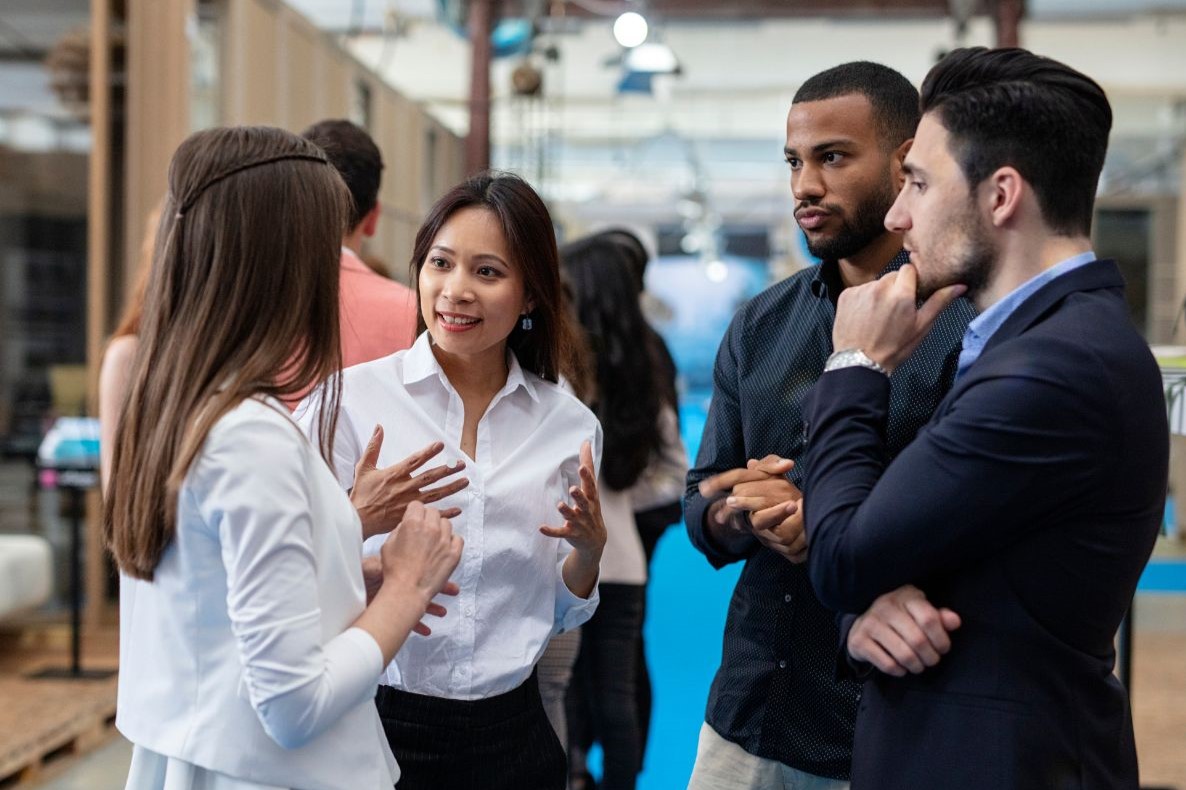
(897, 219)
(457, 287)
(807, 183)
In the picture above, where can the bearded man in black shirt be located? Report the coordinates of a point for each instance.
(779, 715)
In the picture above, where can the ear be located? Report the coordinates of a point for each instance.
(1001, 196)
(371, 220)
(897, 159)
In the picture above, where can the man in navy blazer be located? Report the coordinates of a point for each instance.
(1028, 506)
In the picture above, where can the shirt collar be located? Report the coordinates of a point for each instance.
(987, 323)
(827, 275)
(420, 363)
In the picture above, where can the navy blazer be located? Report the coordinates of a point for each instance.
(1029, 505)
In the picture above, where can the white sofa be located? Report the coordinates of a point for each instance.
(26, 573)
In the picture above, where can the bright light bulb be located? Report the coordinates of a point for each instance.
(717, 272)
(630, 29)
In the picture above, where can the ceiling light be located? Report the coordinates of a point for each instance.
(630, 29)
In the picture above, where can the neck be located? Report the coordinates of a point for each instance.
(475, 375)
(864, 266)
(1023, 259)
(353, 241)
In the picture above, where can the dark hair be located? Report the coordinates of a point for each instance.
(627, 394)
(352, 151)
(894, 99)
(549, 348)
(232, 310)
(636, 253)
(1010, 107)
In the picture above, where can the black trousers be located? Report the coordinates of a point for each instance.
(602, 705)
(499, 743)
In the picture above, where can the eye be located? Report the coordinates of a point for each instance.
(488, 271)
(918, 186)
(794, 162)
(832, 157)
(437, 262)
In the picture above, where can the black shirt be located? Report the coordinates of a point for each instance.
(776, 693)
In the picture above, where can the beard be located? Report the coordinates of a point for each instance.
(971, 258)
(858, 232)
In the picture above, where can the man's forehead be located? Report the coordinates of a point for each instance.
(849, 115)
(929, 149)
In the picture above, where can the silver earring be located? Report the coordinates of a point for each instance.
(526, 323)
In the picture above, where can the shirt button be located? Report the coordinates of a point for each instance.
(786, 598)
(469, 611)
(782, 664)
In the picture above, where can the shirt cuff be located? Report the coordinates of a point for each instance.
(361, 661)
(571, 609)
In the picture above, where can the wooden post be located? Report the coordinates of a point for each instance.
(1008, 22)
(477, 146)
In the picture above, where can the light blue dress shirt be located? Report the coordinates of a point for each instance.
(985, 325)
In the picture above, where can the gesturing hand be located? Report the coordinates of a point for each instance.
(902, 632)
(372, 579)
(382, 495)
(418, 557)
(583, 527)
(882, 318)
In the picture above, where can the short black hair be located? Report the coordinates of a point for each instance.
(1010, 107)
(352, 151)
(894, 99)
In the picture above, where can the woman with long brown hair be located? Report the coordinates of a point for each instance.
(247, 650)
(461, 707)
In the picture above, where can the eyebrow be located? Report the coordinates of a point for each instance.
(913, 170)
(480, 256)
(839, 142)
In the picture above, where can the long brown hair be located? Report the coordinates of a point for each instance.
(549, 349)
(241, 301)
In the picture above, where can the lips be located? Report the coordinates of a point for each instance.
(811, 218)
(457, 322)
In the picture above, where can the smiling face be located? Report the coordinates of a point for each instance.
(471, 291)
(939, 216)
(843, 175)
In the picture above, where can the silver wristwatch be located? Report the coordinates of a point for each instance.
(852, 358)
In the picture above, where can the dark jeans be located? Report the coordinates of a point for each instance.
(499, 743)
(602, 704)
(651, 526)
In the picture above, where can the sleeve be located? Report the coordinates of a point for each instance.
(346, 448)
(663, 480)
(253, 487)
(1010, 451)
(572, 610)
(722, 448)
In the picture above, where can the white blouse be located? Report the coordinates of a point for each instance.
(513, 597)
(239, 657)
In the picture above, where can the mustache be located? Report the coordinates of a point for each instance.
(831, 208)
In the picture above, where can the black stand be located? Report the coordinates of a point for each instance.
(75, 481)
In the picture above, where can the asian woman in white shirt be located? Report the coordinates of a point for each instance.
(461, 706)
(248, 653)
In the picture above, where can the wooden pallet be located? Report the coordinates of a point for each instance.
(46, 722)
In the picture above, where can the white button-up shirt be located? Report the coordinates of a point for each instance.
(513, 596)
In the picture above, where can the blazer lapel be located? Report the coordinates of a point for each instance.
(1089, 277)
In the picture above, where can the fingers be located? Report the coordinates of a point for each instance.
(422, 629)
(863, 648)
(718, 484)
(440, 492)
(436, 610)
(370, 456)
(418, 459)
(937, 303)
(770, 517)
(896, 645)
(588, 481)
(451, 512)
(771, 465)
(927, 619)
(951, 621)
(557, 532)
(430, 476)
(451, 588)
(587, 457)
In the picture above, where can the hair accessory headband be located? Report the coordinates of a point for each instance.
(188, 204)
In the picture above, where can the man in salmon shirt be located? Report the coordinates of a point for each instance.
(378, 315)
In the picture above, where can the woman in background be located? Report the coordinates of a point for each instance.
(641, 440)
(247, 650)
(462, 707)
